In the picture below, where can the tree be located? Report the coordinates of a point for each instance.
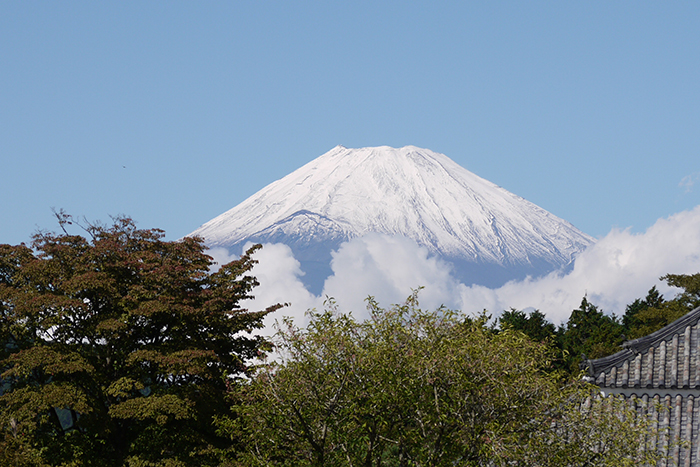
(119, 348)
(643, 317)
(414, 388)
(631, 320)
(591, 333)
(535, 325)
(690, 283)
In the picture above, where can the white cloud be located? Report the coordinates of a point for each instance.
(689, 180)
(388, 268)
(278, 273)
(620, 267)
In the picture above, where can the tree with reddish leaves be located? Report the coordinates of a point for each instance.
(119, 347)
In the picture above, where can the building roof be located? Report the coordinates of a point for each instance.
(665, 359)
(659, 374)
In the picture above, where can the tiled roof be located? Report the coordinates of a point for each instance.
(660, 376)
(668, 358)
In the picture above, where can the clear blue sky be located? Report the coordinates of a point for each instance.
(174, 112)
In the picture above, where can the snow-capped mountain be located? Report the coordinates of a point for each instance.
(488, 234)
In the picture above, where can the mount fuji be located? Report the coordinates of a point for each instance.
(486, 234)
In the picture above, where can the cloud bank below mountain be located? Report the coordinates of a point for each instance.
(619, 268)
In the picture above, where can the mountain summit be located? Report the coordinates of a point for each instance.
(488, 234)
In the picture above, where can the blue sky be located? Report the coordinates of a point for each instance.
(174, 112)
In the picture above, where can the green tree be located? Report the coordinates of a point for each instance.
(414, 388)
(643, 317)
(630, 320)
(535, 325)
(591, 333)
(690, 283)
(119, 348)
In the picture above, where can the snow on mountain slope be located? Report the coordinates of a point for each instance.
(411, 192)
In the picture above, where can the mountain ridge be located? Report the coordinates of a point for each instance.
(412, 192)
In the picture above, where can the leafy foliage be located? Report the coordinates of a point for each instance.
(535, 325)
(633, 320)
(643, 317)
(124, 349)
(119, 348)
(690, 283)
(414, 388)
(589, 333)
